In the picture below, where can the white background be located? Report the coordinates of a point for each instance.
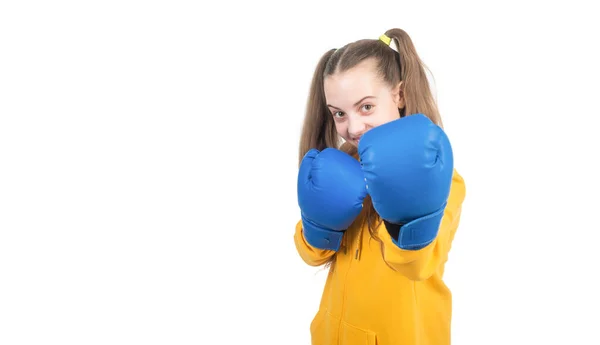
(148, 155)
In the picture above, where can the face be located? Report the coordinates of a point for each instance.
(359, 100)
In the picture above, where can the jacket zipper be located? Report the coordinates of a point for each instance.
(344, 292)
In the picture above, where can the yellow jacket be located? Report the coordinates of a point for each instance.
(367, 302)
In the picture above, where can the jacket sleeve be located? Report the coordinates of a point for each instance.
(311, 255)
(421, 264)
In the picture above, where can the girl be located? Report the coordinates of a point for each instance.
(380, 199)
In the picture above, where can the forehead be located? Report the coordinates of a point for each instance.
(349, 86)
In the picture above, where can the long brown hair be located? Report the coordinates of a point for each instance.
(404, 65)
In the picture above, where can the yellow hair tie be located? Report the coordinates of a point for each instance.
(385, 39)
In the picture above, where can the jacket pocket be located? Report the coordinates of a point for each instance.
(323, 329)
(352, 335)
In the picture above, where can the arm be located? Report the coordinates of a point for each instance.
(420, 264)
(311, 255)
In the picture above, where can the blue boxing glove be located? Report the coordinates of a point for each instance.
(331, 190)
(408, 166)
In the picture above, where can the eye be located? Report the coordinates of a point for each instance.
(338, 114)
(367, 107)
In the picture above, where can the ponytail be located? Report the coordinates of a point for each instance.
(318, 129)
(415, 86)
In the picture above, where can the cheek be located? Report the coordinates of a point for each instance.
(390, 113)
(342, 128)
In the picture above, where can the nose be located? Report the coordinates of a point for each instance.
(356, 126)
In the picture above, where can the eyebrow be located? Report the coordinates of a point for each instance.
(355, 104)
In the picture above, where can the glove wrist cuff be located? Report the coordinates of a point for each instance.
(421, 232)
(321, 238)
